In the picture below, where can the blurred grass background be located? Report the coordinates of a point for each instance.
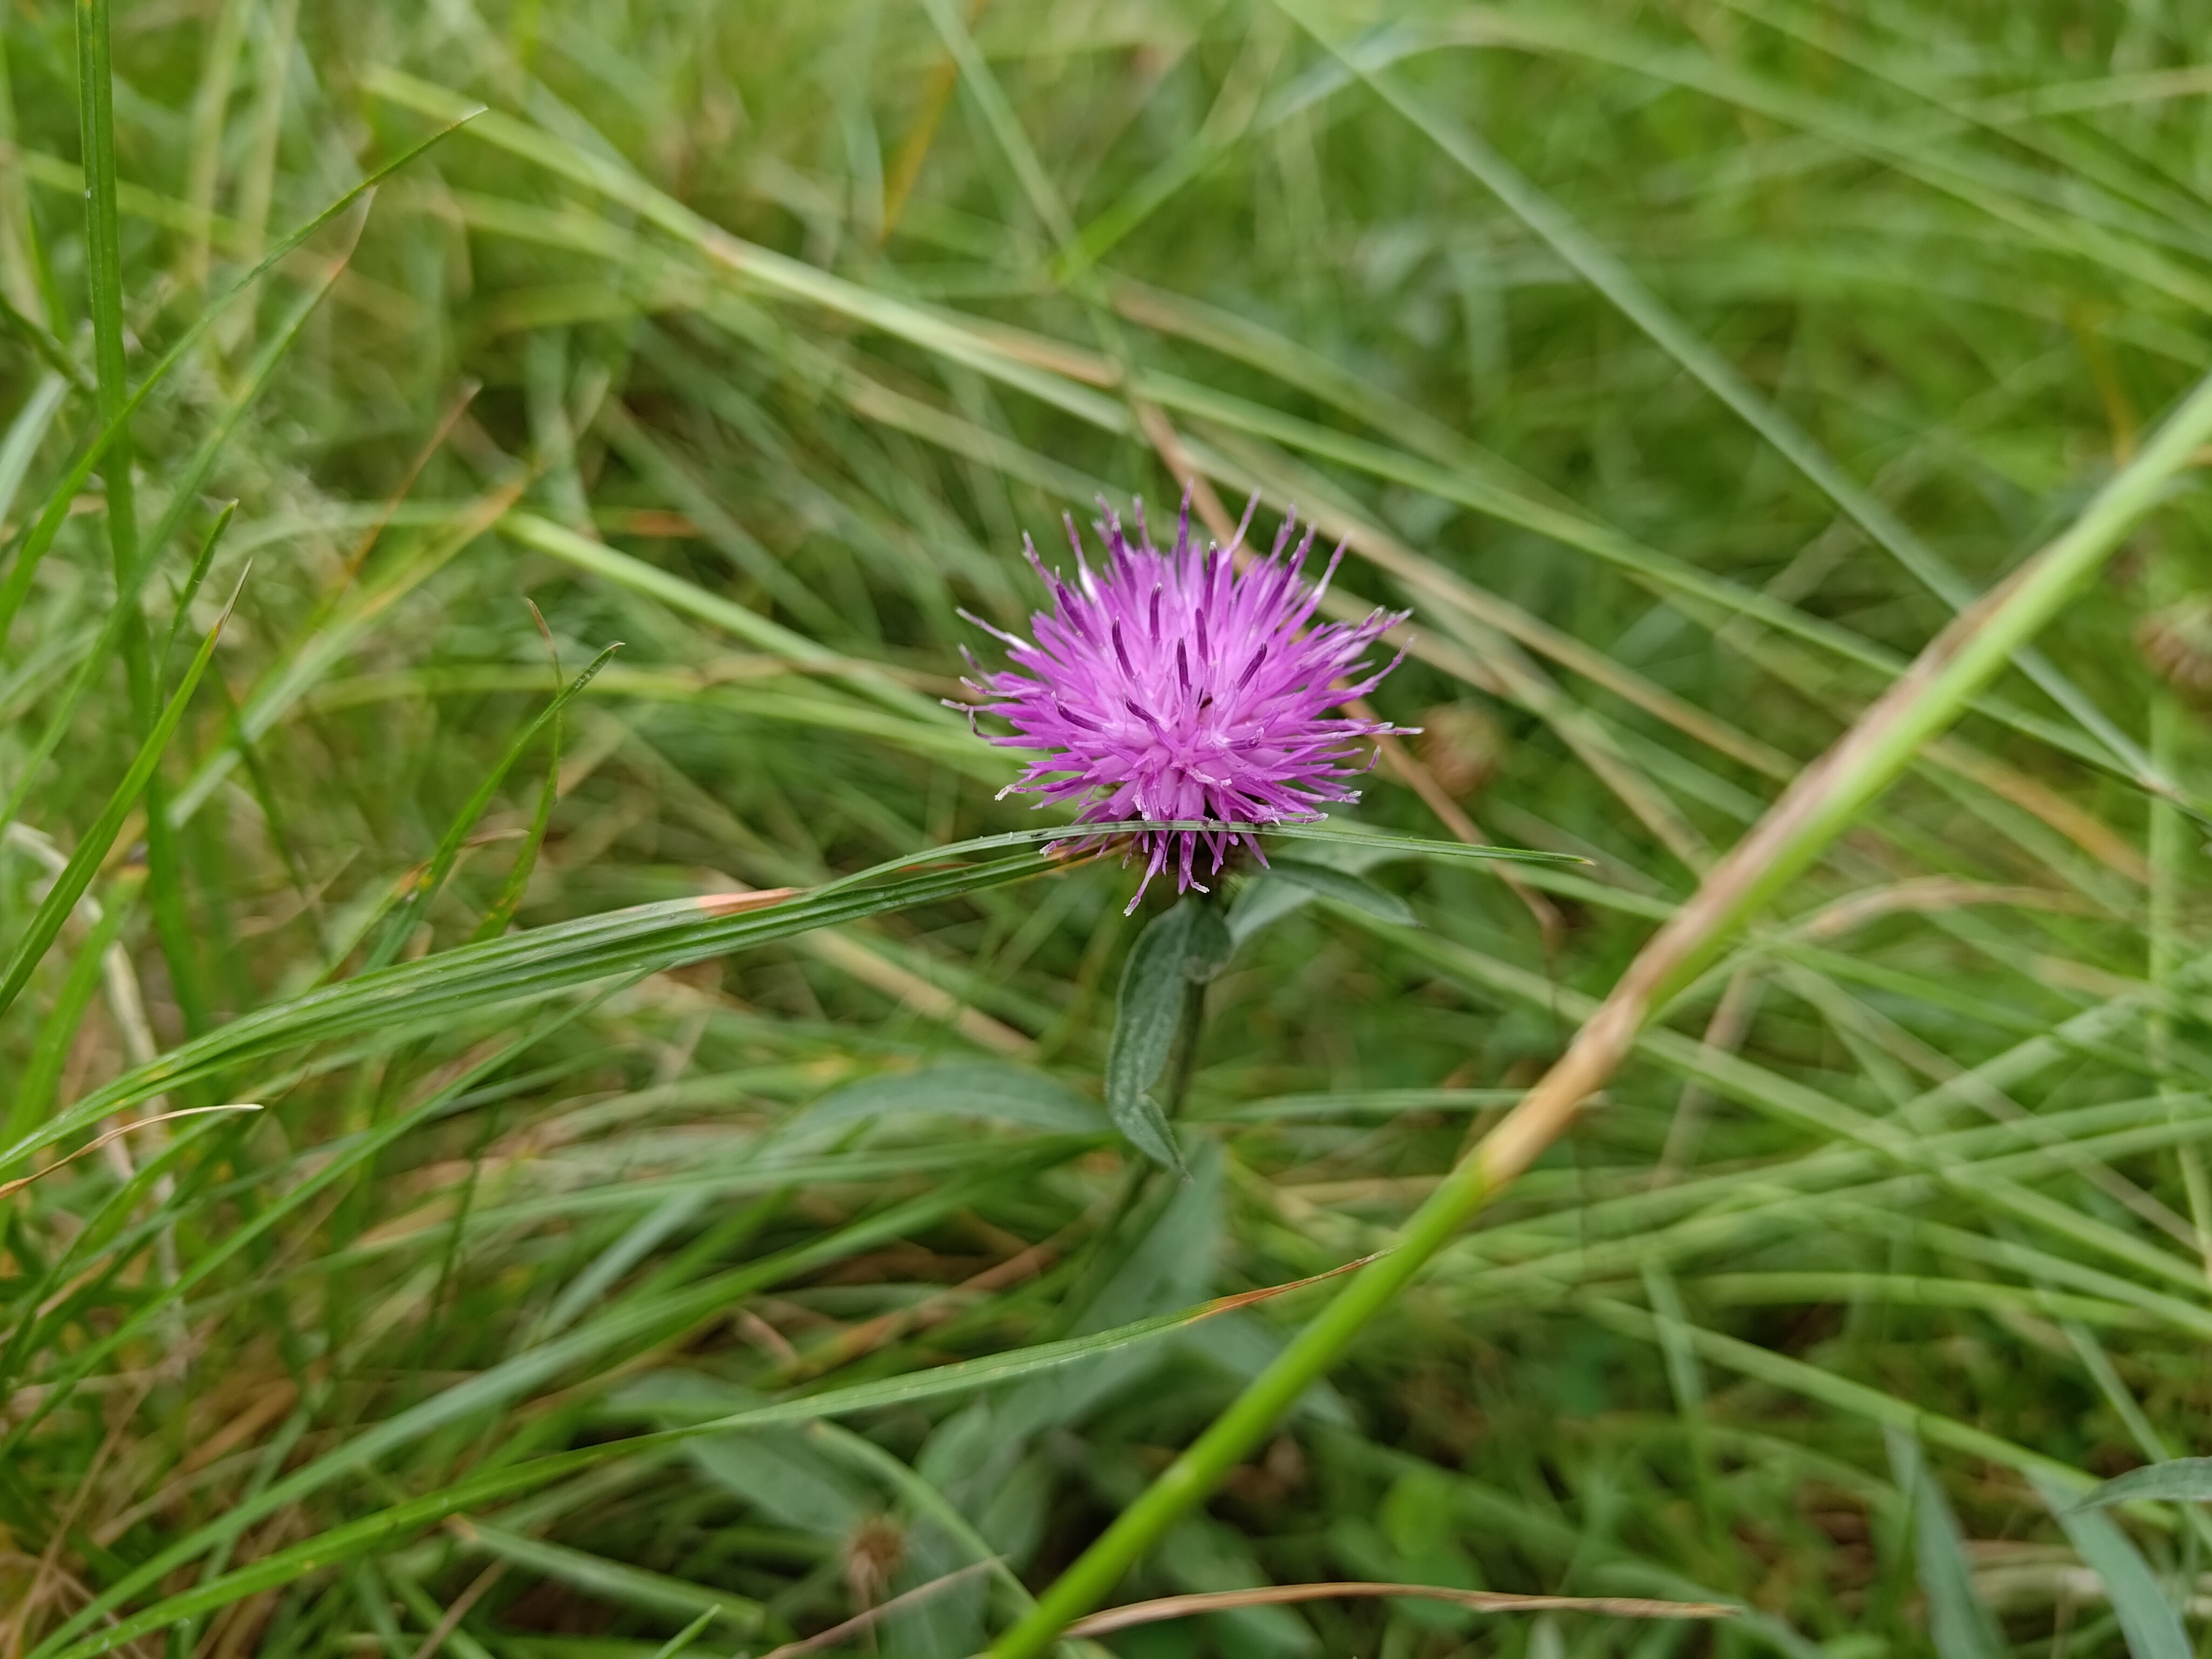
(1624, 342)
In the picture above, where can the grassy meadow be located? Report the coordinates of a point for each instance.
(489, 487)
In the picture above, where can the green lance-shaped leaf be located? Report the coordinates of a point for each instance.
(1290, 884)
(1957, 1624)
(2148, 1620)
(1174, 957)
(2183, 1481)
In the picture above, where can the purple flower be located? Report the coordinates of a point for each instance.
(1172, 685)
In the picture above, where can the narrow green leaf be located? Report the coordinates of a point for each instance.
(2148, 1620)
(1343, 887)
(196, 578)
(2183, 1481)
(683, 1638)
(1958, 1623)
(16, 586)
(509, 899)
(70, 885)
(511, 890)
(1010, 1094)
(34, 1092)
(614, 1581)
(1178, 952)
(433, 879)
(50, 351)
(26, 433)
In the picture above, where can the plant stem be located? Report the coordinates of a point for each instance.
(1190, 1028)
(1821, 802)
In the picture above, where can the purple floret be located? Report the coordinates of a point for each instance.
(1173, 685)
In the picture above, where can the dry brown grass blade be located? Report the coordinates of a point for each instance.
(453, 1615)
(866, 1619)
(2038, 799)
(1183, 1607)
(9, 1188)
(1921, 894)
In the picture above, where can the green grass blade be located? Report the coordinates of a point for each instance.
(432, 882)
(2153, 1628)
(2182, 1479)
(517, 970)
(34, 1091)
(17, 584)
(394, 1524)
(93, 847)
(613, 1581)
(1957, 1624)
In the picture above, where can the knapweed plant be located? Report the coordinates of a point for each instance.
(1174, 687)
(516, 1149)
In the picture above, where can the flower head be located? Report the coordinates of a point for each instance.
(1174, 685)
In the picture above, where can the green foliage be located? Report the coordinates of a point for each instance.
(622, 1265)
(1157, 1021)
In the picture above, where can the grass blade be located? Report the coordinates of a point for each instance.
(2182, 1479)
(398, 1522)
(92, 848)
(16, 586)
(2151, 1625)
(1957, 1624)
(433, 879)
